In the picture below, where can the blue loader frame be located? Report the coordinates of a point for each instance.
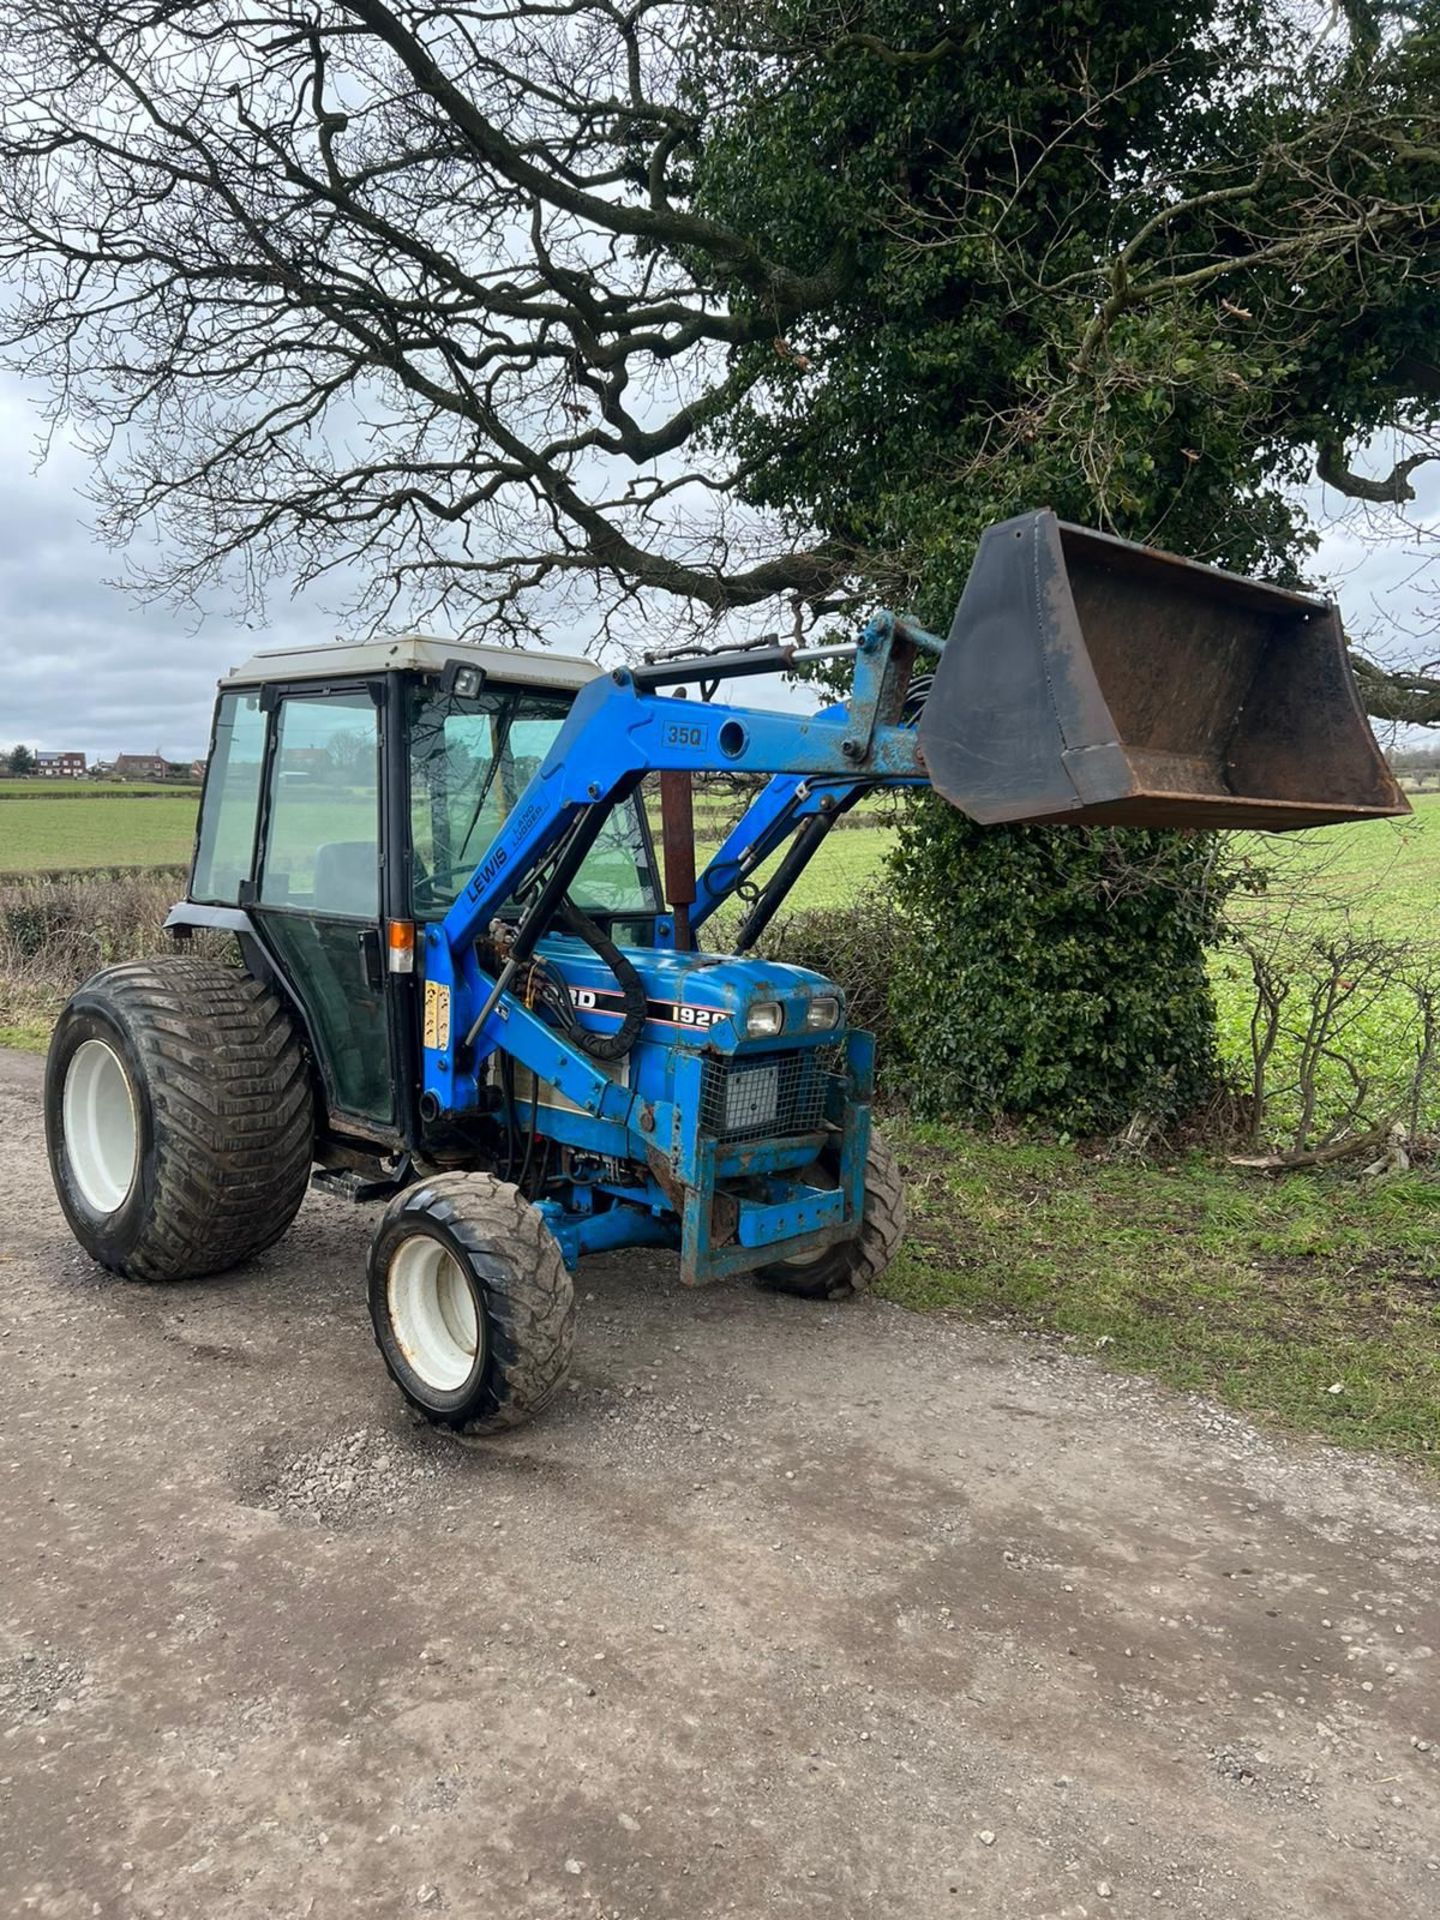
(621, 728)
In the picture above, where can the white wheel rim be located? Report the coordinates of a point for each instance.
(432, 1313)
(102, 1130)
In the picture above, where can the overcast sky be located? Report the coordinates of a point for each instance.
(83, 665)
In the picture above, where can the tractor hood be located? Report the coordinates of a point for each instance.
(695, 995)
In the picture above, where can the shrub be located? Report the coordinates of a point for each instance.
(1055, 974)
(55, 933)
(855, 947)
(1335, 1031)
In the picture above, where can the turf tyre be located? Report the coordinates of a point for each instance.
(852, 1267)
(518, 1287)
(222, 1111)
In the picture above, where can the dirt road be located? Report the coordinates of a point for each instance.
(788, 1610)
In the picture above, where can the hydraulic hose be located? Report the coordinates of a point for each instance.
(607, 1046)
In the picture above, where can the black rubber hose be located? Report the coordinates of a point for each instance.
(608, 1046)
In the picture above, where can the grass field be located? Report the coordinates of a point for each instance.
(1385, 870)
(98, 831)
(11, 789)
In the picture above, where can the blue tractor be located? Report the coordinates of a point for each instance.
(459, 985)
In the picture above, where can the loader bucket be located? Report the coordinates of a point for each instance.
(1087, 680)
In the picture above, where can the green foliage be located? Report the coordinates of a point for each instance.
(22, 761)
(1055, 976)
(1071, 238)
(1269, 1294)
(1089, 263)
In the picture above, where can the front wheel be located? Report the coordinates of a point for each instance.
(472, 1305)
(852, 1266)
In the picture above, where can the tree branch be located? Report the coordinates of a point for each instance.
(1393, 491)
(1397, 694)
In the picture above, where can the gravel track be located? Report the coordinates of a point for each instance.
(783, 1609)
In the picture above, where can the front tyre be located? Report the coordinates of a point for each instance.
(853, 1266)
(178, 1117)
(472, 1304)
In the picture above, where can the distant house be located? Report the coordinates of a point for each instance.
(60, 766)
(141, 766)
(197, 770)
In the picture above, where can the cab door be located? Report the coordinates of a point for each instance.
(318, 894)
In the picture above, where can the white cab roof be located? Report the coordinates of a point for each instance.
(417, 653)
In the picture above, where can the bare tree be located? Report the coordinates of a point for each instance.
(427, 291)
(414, 286)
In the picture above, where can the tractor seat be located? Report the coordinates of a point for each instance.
(347, 879)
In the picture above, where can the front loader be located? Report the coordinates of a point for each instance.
(462, 990)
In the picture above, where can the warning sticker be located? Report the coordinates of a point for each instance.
(437, 1016)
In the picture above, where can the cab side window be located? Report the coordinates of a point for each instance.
(322, 846)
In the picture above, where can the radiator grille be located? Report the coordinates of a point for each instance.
(768, 1097)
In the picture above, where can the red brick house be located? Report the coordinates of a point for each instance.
(140, 766)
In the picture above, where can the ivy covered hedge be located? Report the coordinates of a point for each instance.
(1047, 974)
(1055, 973)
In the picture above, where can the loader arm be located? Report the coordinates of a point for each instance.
(807, 805)
(1085, 680)
(619, 730)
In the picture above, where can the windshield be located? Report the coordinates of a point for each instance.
(470, 760)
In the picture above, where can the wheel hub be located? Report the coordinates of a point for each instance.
(102, 1130)
(433, 1314)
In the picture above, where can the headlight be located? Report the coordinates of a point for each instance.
(763, 1019)
(823, 1013)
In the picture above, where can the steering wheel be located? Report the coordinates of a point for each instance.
(434, 889)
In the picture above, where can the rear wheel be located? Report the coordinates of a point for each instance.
(178, 1117)
(472, 1305)
(853, 1266)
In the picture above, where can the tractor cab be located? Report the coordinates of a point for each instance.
(350, 791)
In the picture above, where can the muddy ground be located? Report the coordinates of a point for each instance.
(787, 1610)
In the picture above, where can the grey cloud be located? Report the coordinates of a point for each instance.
(82, 663)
